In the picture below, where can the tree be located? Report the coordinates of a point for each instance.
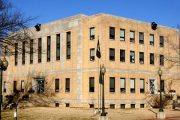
(13, 28)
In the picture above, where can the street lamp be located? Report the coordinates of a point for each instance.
(103, 70)
(161, 106)
(3, 67)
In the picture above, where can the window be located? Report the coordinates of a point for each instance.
(39, 49)
(31, 51)
(132, 85)
(161, 60)
(112, 54)
(15, 86)
(92, 54)
(56, 85)
(151, 41)
(122, 34)
(91, 105)
(16, 53)
(58, 47)
(67, 85)
(91, 84)
(122, 55)
(141, 57)
(112, 84)
(112, 106)
(123, 106)
(132, 36)
(152, 86)
(22, 85)
(23, 52)
(132, 56)
(48, 48)
(67, 105)
(141, 85)
(162, 85)
(68, 45)
(161, 41)
(133, 106)
(151, 58)
(122, 85)
(112, 33)
(92, 33)
(141, 37)
(5, 87)
(141, 105)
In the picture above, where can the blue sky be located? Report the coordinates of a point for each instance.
(163, 12)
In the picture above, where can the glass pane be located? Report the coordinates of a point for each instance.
(132, 83)
(142, 83)
(122, 82)
(131, 34)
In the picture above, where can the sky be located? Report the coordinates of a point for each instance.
(163, 12)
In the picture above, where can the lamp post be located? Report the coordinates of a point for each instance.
(103, 70)
(3, 67)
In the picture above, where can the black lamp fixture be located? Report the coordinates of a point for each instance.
(38, 27)
(154, 25)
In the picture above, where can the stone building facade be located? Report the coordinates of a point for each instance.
(65, 61)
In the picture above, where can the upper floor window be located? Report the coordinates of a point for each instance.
(16, 54)
(58, 47)
(92, 33)
(151, 40)
(132, 56)
(161, 41)
(112, 54)
(67, 84)
(132, 36)
(31, 51)
(123, 85)
(141, 37)
(48, 48)
(111, 32)
(23, 52)
(122, 55)
(91, 84)
(122, 34)
(141, 57)
(161, 60)
(152, 86)
(68, 45)
(112, 84)
(152, 58)
(39, 49)
(92, 54)
(132, 85)
(22, 85)
(56, 85)
(142, 86)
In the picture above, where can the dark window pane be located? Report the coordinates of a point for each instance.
(161, 60)
(67, 85)
(68, 45)
(48, 48)
(92, 33)
(132, 56)
(141, 57)
(92, 54)
(91, 84)
(122, 55)
(112, 84)
(56, 85)
(58, 47)
(112, 54)
(132, 36)
(161, 42)
(112, 33)
(31, 51)
(122, 34)
(16, 53)
(23, 52)
(39, 49)
(141, 37)
(151, 58)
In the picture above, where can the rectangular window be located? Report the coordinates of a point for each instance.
(132, 85)
(31, 51)
(132, 36)
(141, 85)
(122, 85)
(141, 37)
(112, 54)
(48, 48)
(5, 87)
(23, 52)
(67, 85)
(68, 45)
(112, 84)
(151, 40)
(16, 54)
(39, 49)
(122, 34)
(132, 56)
(56, 85)
(152, 86)
(122, 55)
(161, 41)
(92, 33)
(152, 58)
(58, 47)
(91, 84)
(141, 57)
(22, 85)
(92, 54)
(161, 60)
(162, 85)
(111, 32)
(15, 86)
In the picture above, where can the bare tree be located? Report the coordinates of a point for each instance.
(13, 27)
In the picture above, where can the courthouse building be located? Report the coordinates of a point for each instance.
(65, 61)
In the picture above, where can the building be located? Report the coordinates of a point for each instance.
(66, 63)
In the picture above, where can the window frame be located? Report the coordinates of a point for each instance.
(132, 39)
(58, 46)
(122, 58)
(92, 58)
(122, 38)
(141, 60)
(67, 85)
(23, 52)
(112, 33)
(151, 58)
(91, 84)
(16, 54)
(68, 45)
(112, 51)
(31, 51)
(112, 85)
(161, 41)
(141, 41)
(132, 89)
(92, 36)
(57, 87)
(161, 60)
(151, 42)
(142, 88)
(123, 87)
(131, 59)
(39, 50)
